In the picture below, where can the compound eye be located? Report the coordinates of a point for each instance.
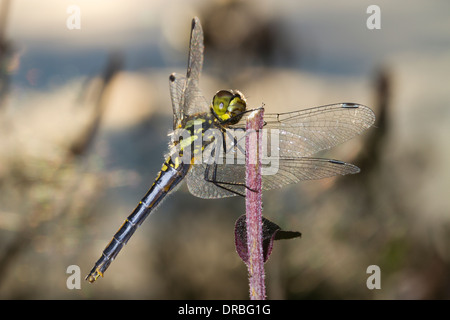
(224, 95)
(221, 101)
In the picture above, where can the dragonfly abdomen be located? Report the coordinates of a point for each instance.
(171, 174)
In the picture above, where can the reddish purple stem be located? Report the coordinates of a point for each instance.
(253, 205)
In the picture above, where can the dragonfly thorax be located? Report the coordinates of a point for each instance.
(228, 106)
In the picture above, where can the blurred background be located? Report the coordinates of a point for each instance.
(84, 118)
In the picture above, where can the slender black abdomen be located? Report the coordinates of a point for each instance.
(167, 179)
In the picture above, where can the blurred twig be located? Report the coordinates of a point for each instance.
(4, 17)
(5, 50)
(368, 159)
(65, 198)
(84, 140)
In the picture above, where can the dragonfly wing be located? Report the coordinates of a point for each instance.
(293, 170)
(194, 101)
(288, 171)
(306, 132)
(177, 85)
(229, 179)
(229, 176)
(185, 94)
(196, 47)
(232, 175)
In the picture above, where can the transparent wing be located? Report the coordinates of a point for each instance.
(196, 47)
(194, 100)
(306, 132)
(232, 176)
(299, 169)
(184, 91)
(221, 178)
(177, 84)
(290, 141)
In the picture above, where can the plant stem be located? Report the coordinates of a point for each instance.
(253, 204)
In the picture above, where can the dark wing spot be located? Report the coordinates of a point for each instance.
(172, 78)
(336, 162)
(350, 105)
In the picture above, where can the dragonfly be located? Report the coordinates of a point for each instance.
(201, 128)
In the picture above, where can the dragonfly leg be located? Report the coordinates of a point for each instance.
(224, 184)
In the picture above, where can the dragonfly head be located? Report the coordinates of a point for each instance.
(228, 106)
